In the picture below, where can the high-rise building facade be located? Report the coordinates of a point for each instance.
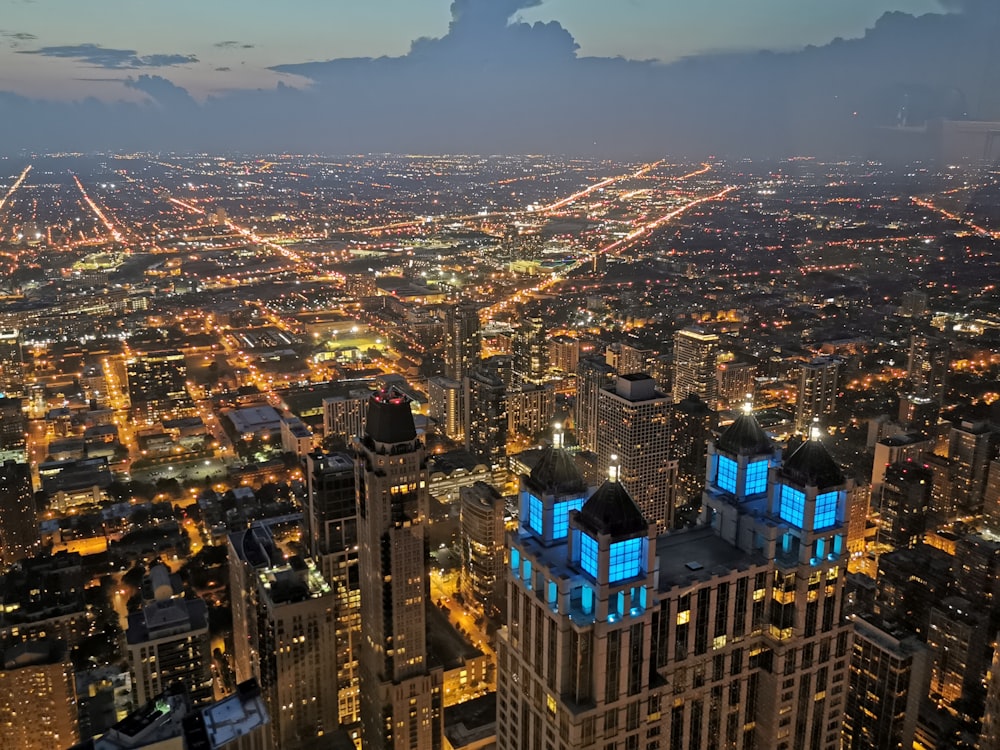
(13, 443)
(344, 416)
(691, 426)
(971, 446)
(332, 539)
(157, 385)
(38, 709)
(906, 497)
(634, 425)
(284, 635)
(817, 394)
(167, 643)
(481, 535)
(592, 375)
(530, 409)
(11, 364)
(462, 346)
(531, 354)
(401, 697)
(18, 521)
(928, 364)
(890, 675)
(727, 635)
(486, 421)
(446, 399)
(695, 360)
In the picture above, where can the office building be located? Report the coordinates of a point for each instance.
(634, 425)
(344, 416)
(18, 522)
(691, 426)
(564, 354)
(927, 365)
(167, 643)
(530, 409)
(13, 443)
(725, 635)
(486, 422)
(735, 381)
(991, 497)
(634, 359)
(959, 652)
(890, 675)
(592, 375)
(401, 696)
(481, 535)
(447, 406)
(531, 349)
(915, 304)
(971, 446)
(11, 364)
(462, 347)
(695, 358)
(906, 497)
(331, 521)
(284, 636)
(37, 697)
(918, 414)
(157, 385)
(817, 393)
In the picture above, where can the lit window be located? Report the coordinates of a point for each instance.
(626, 560)
(756, 477)
(826, 510)
(560, 516)
(725, 477)
(534, 520)
(588, 554)
(515, 562)
(684, 617)
(792, 507)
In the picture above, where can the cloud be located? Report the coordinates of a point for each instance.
(496, 84)
(105, 57)
(15, 39)
(224, 69)
(230, 44)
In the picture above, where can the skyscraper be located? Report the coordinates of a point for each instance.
(401, 699)
(447, 405)
(37, 697)
(634, 421)
(691, 425)
(906, 496)
(18, 523)
(11, 364)
(481, 522)
(284, 636)
(592, 374)
(695, 355)
(486, 421)
(332, 539)
(167, 642)
(817, 395)
(971, 446)
(462, 347)
(530, 349)
(12, 430)
(928, 364)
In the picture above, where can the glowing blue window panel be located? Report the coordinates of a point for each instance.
(821, 548)
(553, 593)
(792, 506)
(587, 600)
(588, 554)
(725, 477)
(527, 574)
(620, 604)
(756, 481)
(560, 516)
(534, 521)
(626, 560)
(826, 510)
(515, 562)
(838, 544)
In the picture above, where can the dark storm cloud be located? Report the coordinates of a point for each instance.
(105, 57)
(495, 84)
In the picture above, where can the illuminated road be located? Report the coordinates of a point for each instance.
(982, 231)
(13, 188)
(618, 245)
(603, 184)
(112, 229)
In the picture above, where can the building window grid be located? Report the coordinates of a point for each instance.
(588, 554)
(626, 560)
(756, 481)
(792, 507)
(826, 510)
(560, 516)
(725, 477)
(534, 514)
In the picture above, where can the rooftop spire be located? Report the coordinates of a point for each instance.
(814, 430)
(748, 404)
(613, 469)
(557, 435)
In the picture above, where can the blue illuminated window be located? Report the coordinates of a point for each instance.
(725, 477)
(792, 507)
(626, 560)
(534, 520)
(756, 477)
(560, 516)
(826, 510)
(515, 562)
(553, 593)
(588, 554)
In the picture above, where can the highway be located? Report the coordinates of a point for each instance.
(13, 188)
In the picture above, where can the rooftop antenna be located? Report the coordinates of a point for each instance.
(557, 435)
(613, 469)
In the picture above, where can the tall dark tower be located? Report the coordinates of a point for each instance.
(462, 346)
(18, 524)
(531, 356)
(11, 364)
(927, 365)
(486, 416)
(401, 696)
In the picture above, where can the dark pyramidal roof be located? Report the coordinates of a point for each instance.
(389, 418)
(556, 473)
(810, 465)
(611, 510)
(744, 436)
